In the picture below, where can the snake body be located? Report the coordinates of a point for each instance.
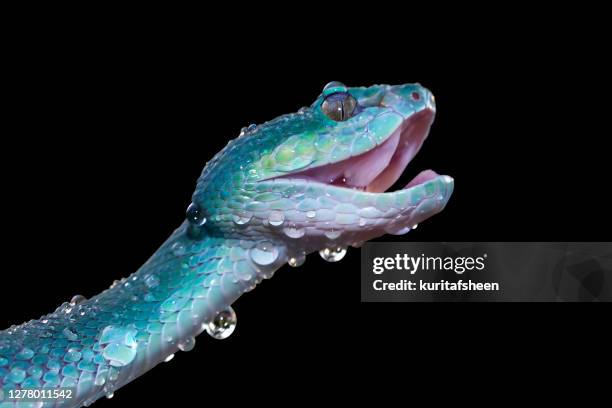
(309, 181)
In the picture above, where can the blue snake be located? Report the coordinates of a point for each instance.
(311, 181)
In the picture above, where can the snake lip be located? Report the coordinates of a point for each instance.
(379, 168)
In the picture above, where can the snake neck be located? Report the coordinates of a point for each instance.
(98, 345)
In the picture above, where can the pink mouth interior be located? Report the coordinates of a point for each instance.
(378, 169)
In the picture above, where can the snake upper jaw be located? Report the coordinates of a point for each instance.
(379, 168)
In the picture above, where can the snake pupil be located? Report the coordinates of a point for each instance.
(339, 106)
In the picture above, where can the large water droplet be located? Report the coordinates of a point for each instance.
(276, 218)
(297, 259)
(195, 215)
(333, 234)
(333, 254)
(334, 87)
(242, 217)
(264, 253)
(415, 226)
(294, 232)
(223, 325)
(187, 344)
(251, 127)
(77, 299)
(151, 281)
(109, 390)
(169, 358)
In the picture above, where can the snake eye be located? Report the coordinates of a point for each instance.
(339, 106)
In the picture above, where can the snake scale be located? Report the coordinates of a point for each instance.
(311, 181)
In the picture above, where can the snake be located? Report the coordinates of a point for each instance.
(320, 179)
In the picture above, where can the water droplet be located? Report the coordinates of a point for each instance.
(334, 87)
(113, 374)
(297, 260)
(251, 127)
(178, 249)
(169, 358)
(243, 131)
(397, 229)
(100, 379)
(151, 281)
(333, 254)
(223, 325)
(70, 335)
(276, 218)
(333, 234)
(264, 253)
(64, 308)
(294, 232)
(311, 214)
(109, 390)
(242, 218)
(187, 344)
(415, 226)
(195, 215)
(77, 299)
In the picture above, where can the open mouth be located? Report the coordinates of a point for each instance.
(379, 168)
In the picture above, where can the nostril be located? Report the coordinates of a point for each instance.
(416, 96)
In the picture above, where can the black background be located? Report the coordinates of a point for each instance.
(104, 138)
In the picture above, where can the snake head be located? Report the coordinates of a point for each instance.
(319, 178)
